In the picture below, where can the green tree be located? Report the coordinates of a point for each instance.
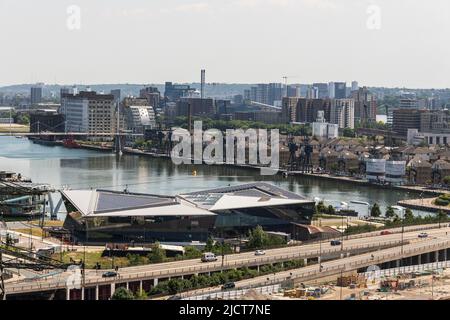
(209, 244)
(409, 216)
(158, 254)
(331, 210)
(257, 238)
(446, 180)
(390, 212)
(375, 211)
(321, 208)
(141, 295)
(123, 294)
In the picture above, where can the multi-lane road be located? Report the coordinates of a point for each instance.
(356, 246)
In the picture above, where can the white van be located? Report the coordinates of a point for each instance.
(209, 257)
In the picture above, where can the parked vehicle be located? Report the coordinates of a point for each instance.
(109, 274)
(335, 243)
(423, 235)
(260, 253)
(228, 286)
(209, 257)
(385, 233)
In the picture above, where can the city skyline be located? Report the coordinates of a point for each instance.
(244, 41)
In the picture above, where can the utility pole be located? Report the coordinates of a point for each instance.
(2, 283)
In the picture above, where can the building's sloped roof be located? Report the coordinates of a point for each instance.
(111, 203)
(251, 195)
(441, 165)
(102, 203)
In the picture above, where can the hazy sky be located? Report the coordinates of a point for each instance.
(377, 42)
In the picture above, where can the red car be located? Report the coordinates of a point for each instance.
(385, 233)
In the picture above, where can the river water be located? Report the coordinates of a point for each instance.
(82, 169)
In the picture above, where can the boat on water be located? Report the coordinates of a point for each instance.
(70, 143)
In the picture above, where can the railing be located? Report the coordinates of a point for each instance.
(168, 273)
(137, 276)
(333, 270)
(408, 269)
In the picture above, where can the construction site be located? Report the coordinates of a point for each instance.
(417, 285)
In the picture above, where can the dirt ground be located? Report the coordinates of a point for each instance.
(425, 288)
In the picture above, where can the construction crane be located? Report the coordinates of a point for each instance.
(285, 79)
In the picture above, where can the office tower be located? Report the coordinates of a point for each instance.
(355, 86)
(343, 113)
(409, 103)
(340, 90)
(117, 95)
(152, 95)
(89, 112)
(322, 90)
(174, 92)
(269, 94)
(331, 90)
(36, 95)
(307, 109)
(293, 91)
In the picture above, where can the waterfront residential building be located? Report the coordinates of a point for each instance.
(89, 112)
(289, 109)
(404, 119)
(343, 113)
(307, 109)
(365, 105)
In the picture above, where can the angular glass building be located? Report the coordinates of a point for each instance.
(100, 216)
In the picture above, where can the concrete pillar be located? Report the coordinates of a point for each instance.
(113, 288)
(140, 286)
(155, 282)
(127, 286)
(67, 294)
(397, 263)
(436, 256)
(82, 294)
(445, 254)
(257, 268)
(419, 259)
(96, 292)
(305, 261)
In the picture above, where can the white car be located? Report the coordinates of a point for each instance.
(260, 253)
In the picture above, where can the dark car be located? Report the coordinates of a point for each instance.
(109, 274)
(335, 243)
(423, 235)
(228, 286)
